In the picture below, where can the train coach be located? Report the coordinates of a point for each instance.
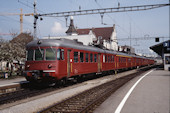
(51, 60)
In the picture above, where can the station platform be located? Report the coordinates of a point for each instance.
(5, 82)
(147, 93)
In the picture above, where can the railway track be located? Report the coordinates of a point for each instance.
(25, 92)
(87, 101)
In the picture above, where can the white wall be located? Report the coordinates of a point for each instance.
(86, 39)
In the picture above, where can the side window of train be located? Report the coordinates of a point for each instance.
(60, 54)
(103, 58)
(95, 58)
(75, 56)
(106, 58)
(81, 57)
(91, 57)
(87, 57)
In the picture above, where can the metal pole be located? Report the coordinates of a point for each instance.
(35, 20)
(130, 37)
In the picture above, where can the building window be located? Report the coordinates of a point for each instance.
(91, 57)
(95, 58)
(87, 57)
(81, 57)
(75, 56)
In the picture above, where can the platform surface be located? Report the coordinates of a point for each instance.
(151, 95)
(5, 82)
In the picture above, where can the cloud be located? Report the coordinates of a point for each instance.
(57, 28)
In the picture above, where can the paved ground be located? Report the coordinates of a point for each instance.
(4, 82)
(151, 95)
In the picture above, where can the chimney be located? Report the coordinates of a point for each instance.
(71, 30)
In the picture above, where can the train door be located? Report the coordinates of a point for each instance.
(99, 63)
(68, 63)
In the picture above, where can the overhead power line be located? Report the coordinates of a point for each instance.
(142, 38)
(104, 10)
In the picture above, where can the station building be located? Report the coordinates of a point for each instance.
(163, 49)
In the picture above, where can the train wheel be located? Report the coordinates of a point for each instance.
(63, 82)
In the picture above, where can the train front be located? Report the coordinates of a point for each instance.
(41, 64)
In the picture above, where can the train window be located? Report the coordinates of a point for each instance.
(95, 58)
(110, 58)
(50, 54)
(91, 57)
(106, 58)
(81, 57)
(75, 56)
(129, 60)
(87, 57)
(39, 54)
(60, 54)
(30, 55)
(113, 58)
(103, 58)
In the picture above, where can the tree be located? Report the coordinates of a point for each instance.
(15, 49)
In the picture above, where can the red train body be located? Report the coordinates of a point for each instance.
(55, 60)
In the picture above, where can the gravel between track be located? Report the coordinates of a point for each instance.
(37, 103)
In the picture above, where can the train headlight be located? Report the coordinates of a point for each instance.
(28, 66)
(50, 66)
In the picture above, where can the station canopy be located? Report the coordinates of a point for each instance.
(161, 48)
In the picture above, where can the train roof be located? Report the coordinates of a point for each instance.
(73, 44)
(62, 43)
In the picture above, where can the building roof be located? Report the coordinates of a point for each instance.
(104, 32)
(161, 48)
(71, 30)
(22, 38)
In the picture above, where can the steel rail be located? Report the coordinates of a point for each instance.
(87, 101)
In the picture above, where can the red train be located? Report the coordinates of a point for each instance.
(62, 59)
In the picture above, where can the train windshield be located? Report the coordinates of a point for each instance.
(50, 54)
(30, 54)
(39, 53)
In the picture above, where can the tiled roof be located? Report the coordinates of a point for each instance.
(105, 32)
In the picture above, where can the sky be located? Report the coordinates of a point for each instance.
(139, 24)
